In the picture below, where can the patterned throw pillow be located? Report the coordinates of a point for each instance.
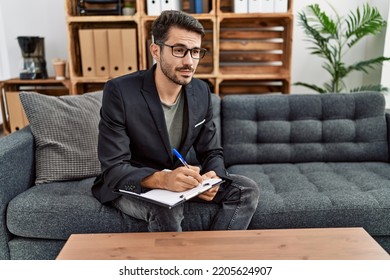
(65, 130)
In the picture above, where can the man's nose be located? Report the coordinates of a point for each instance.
(188, 60)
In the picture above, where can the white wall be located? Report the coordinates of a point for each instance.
(4, 67)
(385, 78)
(46, 18)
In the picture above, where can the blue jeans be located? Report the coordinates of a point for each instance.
(238, 203)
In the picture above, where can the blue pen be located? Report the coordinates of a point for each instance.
(180, 157)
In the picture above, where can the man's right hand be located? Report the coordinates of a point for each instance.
(179, 179)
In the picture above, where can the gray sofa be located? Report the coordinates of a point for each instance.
(319, 160)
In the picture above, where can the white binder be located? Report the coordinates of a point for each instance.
(170, 5)
(267, 6)
(153, 7)
(280, 6)
(254, 6)
(240, 6)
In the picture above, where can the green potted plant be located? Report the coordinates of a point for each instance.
(333, 37)
(128, 8)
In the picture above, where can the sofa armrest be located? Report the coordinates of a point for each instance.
(387, 115)
(17, 173)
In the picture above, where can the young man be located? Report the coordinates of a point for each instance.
(145, 115)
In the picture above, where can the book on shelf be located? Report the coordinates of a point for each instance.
(198, 6)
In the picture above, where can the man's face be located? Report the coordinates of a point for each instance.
(179, 70)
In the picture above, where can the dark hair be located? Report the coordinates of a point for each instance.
(170, 18)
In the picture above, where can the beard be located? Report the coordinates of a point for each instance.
(171, 75)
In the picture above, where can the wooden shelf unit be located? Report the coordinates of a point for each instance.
(247, 53)
(12, 111)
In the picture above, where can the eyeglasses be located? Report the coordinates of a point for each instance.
(178, 51)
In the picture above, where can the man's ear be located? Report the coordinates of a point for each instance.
(155, 51)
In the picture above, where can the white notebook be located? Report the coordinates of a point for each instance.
(171, 199)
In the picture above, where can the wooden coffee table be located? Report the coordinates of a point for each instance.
(286, 244)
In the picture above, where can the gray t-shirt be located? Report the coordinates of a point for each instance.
(174, 120)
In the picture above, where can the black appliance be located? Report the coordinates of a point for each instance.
(34, 63)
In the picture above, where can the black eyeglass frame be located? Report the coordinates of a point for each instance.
(202, 51)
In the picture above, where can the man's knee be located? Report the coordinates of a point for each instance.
(250, 191)
(165, 219)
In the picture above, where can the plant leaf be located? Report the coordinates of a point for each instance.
(367, 64)
(321, 21)
(331, 39)
(319, 41)
(311, 86)
(376, 88)
(360, 24)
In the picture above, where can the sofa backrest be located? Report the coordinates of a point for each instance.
(304, 128)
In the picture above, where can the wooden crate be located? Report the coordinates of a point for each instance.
(254, 45)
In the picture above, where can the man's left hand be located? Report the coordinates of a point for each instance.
(209, 195)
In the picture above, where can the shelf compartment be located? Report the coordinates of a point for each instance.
(254, 45)
(207, 5)
(208, 8)
(227, 7)
(76, 59)
(71, 10)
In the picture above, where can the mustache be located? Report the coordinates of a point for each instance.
(185, 68)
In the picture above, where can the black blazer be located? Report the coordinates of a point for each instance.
(133, 138)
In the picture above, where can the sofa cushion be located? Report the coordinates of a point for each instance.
(65, 130)
(341, 194)
(304, 128)
(57, 210)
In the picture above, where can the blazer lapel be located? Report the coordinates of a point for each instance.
(149, 91)
(190, 117)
